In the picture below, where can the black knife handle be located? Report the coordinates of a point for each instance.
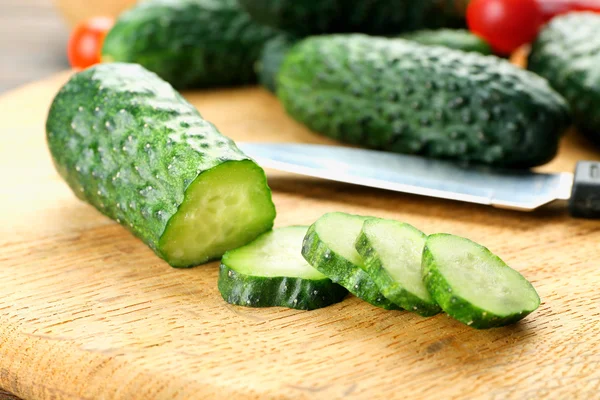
(585, 196)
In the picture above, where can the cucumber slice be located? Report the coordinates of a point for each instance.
(392, 253)
(329, 247)
(270, 272)
(473, 285)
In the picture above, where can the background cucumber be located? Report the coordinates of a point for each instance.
(127, 143)
(329, 247)
(567, 53)
(307, 17)
(399, 96)
(189, 43)
(271, 272)
(458, 39)
(392, 252)
(275, 50)
(473, 285)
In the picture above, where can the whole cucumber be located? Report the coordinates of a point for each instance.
(189, 43)
(400, 96)
(567, 53)
(376, 17)
(127, 143)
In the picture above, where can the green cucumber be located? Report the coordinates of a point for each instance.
(473, 285)
(399, 96)
(189, 43)
(567, 53)
(127, 143)
(329, 247)
(392, 253)
(270, 272)
(457, 39)
(377, 17)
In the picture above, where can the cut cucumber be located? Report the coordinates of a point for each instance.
(473, 285)
(129, 144)
(392, 253)
(329, 247)
(271, 272)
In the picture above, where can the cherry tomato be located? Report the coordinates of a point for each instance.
(85, 43)
(552, 8)
(505, 24)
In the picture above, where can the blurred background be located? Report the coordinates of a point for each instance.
(34, 36)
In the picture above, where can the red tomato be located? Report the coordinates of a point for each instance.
(505, 24)
(552, 8)
(85, 43)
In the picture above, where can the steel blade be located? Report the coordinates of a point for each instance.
(521, 190)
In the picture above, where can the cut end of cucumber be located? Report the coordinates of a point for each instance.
(400, 248)
(482, 279)
(274, 254)
(224, 208)
(339, 231)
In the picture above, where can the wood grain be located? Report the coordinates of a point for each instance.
(88, 312)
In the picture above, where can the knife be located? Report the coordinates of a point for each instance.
(511, 189)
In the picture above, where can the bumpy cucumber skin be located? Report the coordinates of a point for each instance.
(297, 293)
(307, 17)
(457, 307)
(342, 271)
(127, 143)
(457, 39)
(399, 96)
(386, 284)
(567, 53)
(271, 58)
(189, 43)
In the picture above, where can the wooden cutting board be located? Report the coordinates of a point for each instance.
(88, 312)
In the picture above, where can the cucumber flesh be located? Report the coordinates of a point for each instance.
(223, 209)
(473, 285)
(392, 253)
(270, 272)
(329, 247)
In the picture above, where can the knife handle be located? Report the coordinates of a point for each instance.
(585, 195)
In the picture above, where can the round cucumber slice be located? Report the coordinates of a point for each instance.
(473, 285)
(329, 247)
(271, 272)
(392, 253)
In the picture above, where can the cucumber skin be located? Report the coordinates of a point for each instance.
(567, 54)
(457, 307)
(342, 271)
(399, 96)
(241, 289)
(189, 43)
(376, 17)
(386, 284)
(457, 39)
(113, 173)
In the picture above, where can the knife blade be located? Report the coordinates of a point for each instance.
(512, 189)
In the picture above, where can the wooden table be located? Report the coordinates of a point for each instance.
(33, 47)
(87, 311)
